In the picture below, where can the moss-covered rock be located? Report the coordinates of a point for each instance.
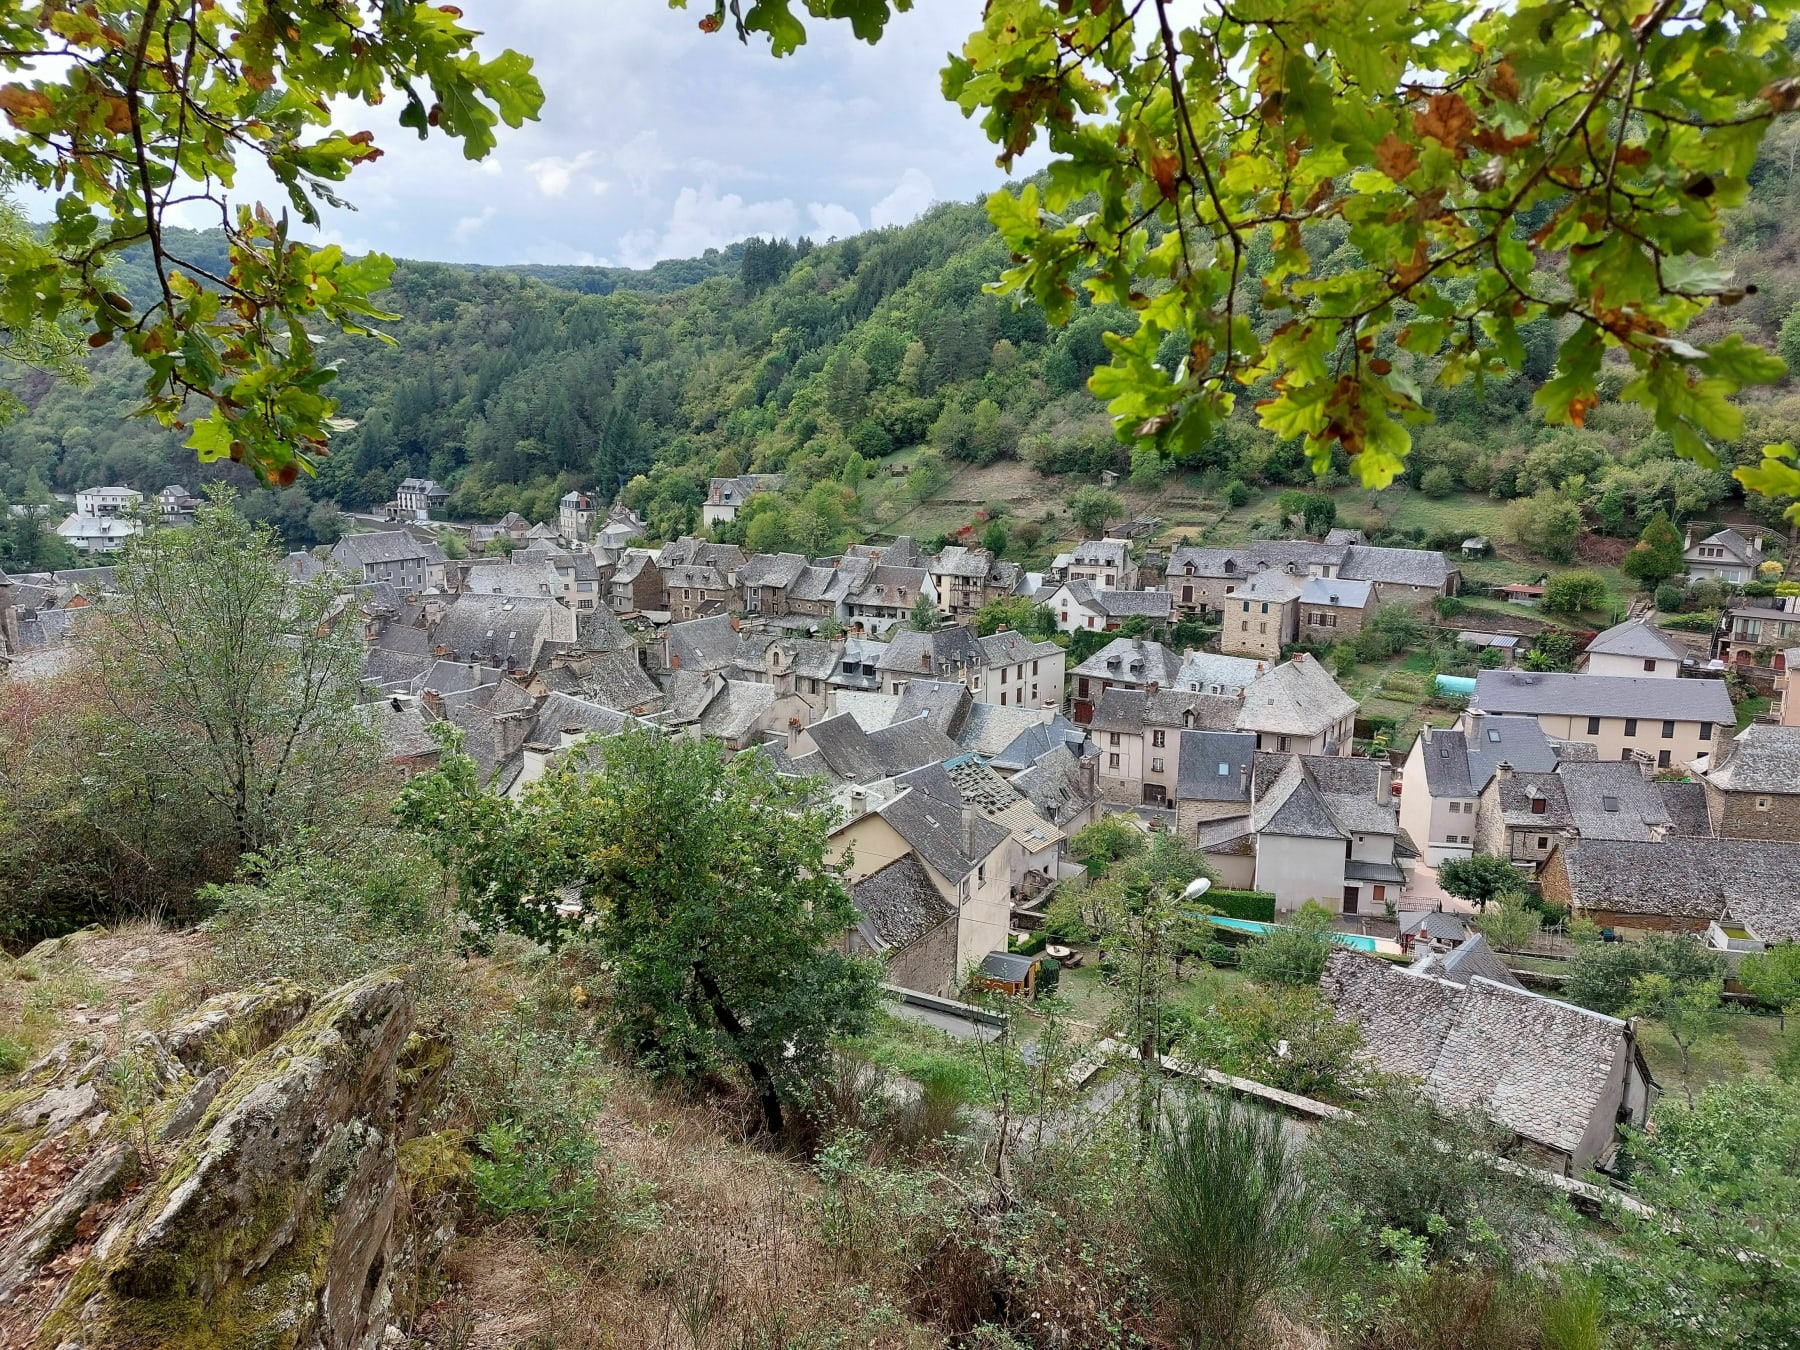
(275, 1222)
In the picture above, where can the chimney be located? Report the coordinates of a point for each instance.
(1503, 770)
(735, 626)
(434, 702)
(968, 816)
(1154, 686)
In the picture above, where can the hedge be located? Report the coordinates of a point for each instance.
(1255, 905)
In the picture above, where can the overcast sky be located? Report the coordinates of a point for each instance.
(659, 141)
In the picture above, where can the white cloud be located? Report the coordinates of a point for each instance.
(702, 219)
(909, 198)
(553, 173)
(832, 221)
(468, 225)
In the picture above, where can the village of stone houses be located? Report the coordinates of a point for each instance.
(1555, 889)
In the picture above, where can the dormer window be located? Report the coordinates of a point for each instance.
(1539, 806)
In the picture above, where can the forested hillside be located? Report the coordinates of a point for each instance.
(512, 385)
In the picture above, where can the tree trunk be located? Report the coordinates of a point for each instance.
(759, 1072)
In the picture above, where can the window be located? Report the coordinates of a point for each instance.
(1649, 663)
(1112, 738)
(1662, 759)
(1156, 765)
(1539, 805)
(1034, 667)
(1625, 755)
(1593, 726)
(1668, 730)
(1456, 808)
(1246, 606)
(1244, 625)
(1002, 698)
(1083, 690)
(1706, 731)
(1187, 595)
(1543, 842)
(1159, 739)
(1262, 628)
(1112, 761)
(1265, 607)
(1631, 726)
(1281, 742)
(980, 873)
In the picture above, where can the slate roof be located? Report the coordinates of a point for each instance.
(702, 644)
(562, 713)
(780, 570)
(613, 679)
(1054, 786)
(385, 546)
(1536, 1066)
(1336, 591)
(1011, 648)
(1763, 759)
(1214, 673)
(943, 703)
(1274, 586)
(1437, 924)
(1059, 735)
(1126, 604)
(1397, 566)
(1516, 794)
(1732, 542)
(599, 630)
(1215, 766)
(1125, 709)
(1635, 637)
(494, 626)
(897, 905)
(1292, 806)
(735, 712)
(934, 828)
(1647, 697)
(911, 744)
(1610, 799)
(988, 728)
(887, 585)
(846, 750)
(1296, 698)
(1464, 962)
(519, 578)
(1696, 880)
(1686, 807)
(1101, 553)
(954, 560)
(1132, 661)
(943, 651)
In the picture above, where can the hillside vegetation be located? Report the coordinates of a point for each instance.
(842, 362)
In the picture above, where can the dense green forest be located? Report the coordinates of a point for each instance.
(513, 384)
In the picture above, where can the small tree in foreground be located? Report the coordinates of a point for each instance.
(1293, 952)
(708, 891)
(1509, 923)
(1572, 594)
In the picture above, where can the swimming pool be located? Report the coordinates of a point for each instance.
(1355, 941)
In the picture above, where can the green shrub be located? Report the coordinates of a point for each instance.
(1257, 906)
(1292, 953)
(1670, 597)
(1570, 1316)
(12, 1056)
(1227, 1216)
(1237, 493)
(1437, 481)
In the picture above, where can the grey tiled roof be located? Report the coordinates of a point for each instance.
(1613, 800)
(1635, 637)
(1516, 795)
(943, 703)
(1518, 741)
(898, 905)
(1292, 806)
(1054, 786)
(771, 569)
(1646, 697)
(1102, 553)
(937, 831)
(1213, 673)
(735, 713)
(496, 627)
(1686, 805)
(1132, 661)
(1760, 758)
(1537, 1067)
(1445, 754)
(1464, 962)
(1696, 880)
(1733, 543)
(1341, 592)
(1215, 766)
(1059, 735)
(846, 750)
(1297, 698)
(1011, 648)
(943, 651)
(561, 714)
(1437, 924)
(386, 546)
(1274, 585)
(887, 585)
(703, 644)
(906, 745)
(1399, 566)
(954, 560)
(988, 728)
(1125, 604)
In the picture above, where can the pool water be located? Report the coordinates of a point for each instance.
(1355, 941)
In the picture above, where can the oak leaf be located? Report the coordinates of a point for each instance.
(1396, 158)
(1447, 119)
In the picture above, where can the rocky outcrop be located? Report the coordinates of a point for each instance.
(236, 1180)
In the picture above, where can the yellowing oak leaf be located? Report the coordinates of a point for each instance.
(1447, 119)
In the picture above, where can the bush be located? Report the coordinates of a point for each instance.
(1601, 974)
(1227, 1216)
(1437, 482)
(1294, 952)
(1670, 597)
(1449, 606)
(1571, 594)
(1105, 841)
(1257, 906)
(1283, 1035)
(1237, 493)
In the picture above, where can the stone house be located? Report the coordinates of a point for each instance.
(1105, 564)
(1202, 579)
(417, 498)
(636, 584)
(1678, 885)
(1759, 634)
(1670, 723)
(1214, 779)
(1298, 707)
(1138, 732)
(885, 597)
(1263, 616)
(1129, 663)
(393, 556)
(1562, 1079)
(726, 496)
(1752, 785)
(949, 653)
(695, 591)
(765, 579)
(575, 514)
(1333, 608)
(902, 917)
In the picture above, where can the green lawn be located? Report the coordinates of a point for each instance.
(1747, 1043)
(1750, 709)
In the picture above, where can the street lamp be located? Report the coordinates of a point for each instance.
(1196, 888)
